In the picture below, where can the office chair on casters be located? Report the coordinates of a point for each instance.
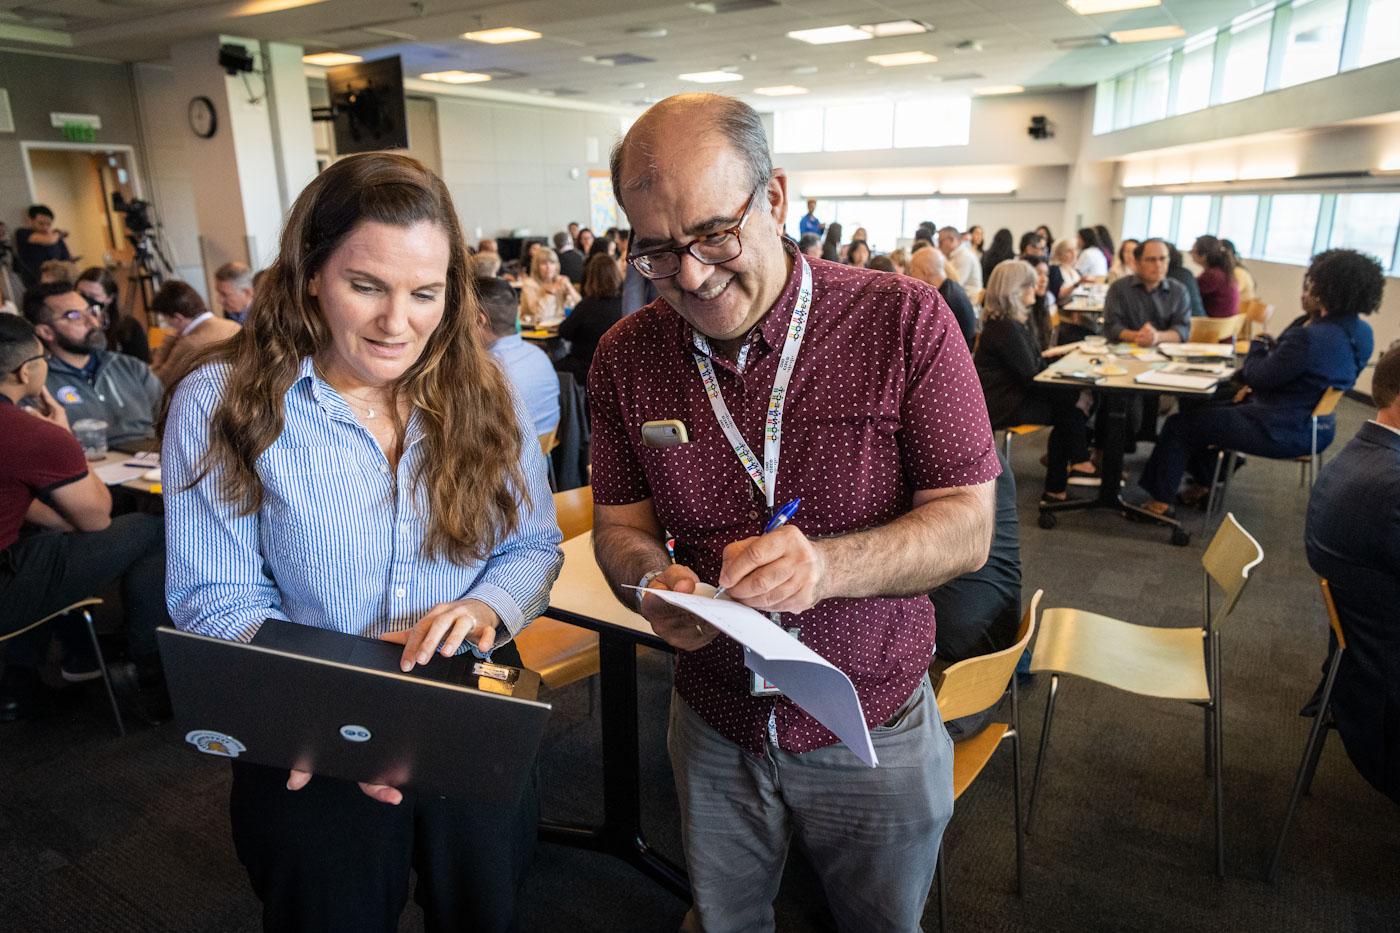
(1170, 663)
(1317, 735)
(85, 608)
(969, 687)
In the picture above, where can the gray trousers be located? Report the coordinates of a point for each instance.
(872, 833)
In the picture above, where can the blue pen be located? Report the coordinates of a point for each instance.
(779, 519)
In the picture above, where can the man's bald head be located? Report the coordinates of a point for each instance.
(928, 265)
(686, 119)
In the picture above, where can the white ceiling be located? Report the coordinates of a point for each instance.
(1017, 39)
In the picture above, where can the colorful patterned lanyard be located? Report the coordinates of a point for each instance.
(765, 476)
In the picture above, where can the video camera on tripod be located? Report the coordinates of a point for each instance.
(149, 265)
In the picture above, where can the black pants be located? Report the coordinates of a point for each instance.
(1069, 434)
(44, 572)
(328, 858)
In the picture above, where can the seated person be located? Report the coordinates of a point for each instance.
(1272, 415)
(37, 243)
(87, 379)
(1220, 293)
(571, 261)
(1147, 308)
(526, 365)
(124, 333)
(544, 293)
(486, 265)
(1353, 537)
(1177, 272)
(195, 328)
(929, 265)
(1007, 360)
(810, 246)
(600, 309)
(79, 551)
(234, 283)
(57, 270)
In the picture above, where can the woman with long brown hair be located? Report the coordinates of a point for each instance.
(353, 460)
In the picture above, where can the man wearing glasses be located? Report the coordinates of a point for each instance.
(87, 379)
(875, 419)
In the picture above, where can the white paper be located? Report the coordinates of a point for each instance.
(133, 466)
(1061, 349)
(808, 679)
(1198, 349)
(1175, 380)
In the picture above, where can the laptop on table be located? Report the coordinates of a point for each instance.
(338, 705)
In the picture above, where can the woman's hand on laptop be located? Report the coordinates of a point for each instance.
(444, 629)
(296, 780)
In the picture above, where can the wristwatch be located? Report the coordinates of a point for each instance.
(644, 583)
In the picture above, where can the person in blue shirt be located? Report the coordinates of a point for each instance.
(809, 222)
(526, 365)
(1283, 380)
(38, 243)
(353, 461)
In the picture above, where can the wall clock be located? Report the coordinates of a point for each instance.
(204, 120)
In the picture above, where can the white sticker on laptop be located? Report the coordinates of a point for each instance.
(215, 743)
(352, 733)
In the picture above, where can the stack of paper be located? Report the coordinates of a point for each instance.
(1156, 377)
(1226, 350)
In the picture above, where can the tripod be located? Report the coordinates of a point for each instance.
(149, 267)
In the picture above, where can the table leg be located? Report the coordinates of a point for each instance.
(620, 834)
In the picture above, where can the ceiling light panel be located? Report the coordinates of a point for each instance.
(331, 59)
(710, 77)
(898, 27)
(780, 90)
(1150, 34)
(830, 35)
(997, 90)
(502, 35)
(1095, 7)
(456, 77)
(897, 59)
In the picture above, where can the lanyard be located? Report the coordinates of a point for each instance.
(764, 477)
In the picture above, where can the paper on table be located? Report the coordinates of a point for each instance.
(811, 681)
(1148, 356)
(1198, 349)
(1175, 380)
(114, 474)
(1061, 349)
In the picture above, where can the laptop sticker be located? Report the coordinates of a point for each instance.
(215, 743)
(351, 733)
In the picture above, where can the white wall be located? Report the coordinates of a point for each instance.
(170, 168)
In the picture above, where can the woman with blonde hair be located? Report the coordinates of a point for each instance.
(1008, 359)
(545, 294)
(353, 461)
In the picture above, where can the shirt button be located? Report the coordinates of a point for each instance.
(383, 468)
(753, 513)
(400, 592)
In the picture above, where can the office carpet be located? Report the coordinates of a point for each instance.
(98, 833)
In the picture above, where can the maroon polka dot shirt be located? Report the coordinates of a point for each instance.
(884, 401)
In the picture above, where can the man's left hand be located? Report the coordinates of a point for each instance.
(1147, 336)
(783, 571)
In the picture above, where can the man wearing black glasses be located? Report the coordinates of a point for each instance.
(794, 378)
(88, 380)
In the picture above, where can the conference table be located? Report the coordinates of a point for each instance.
(1113, 373)
(581, 597)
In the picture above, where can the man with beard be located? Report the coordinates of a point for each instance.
(87, 379)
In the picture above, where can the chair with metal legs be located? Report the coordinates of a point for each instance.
(1317, 735)
(1171, 663)
(85, 608)
(969, 687)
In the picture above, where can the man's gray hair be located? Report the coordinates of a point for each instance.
(562, 239)
(737, 122)
(236, 272)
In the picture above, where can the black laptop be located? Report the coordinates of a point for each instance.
(334, 704)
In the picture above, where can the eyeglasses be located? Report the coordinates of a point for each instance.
(74, 314)
(42, 356)
(711, 249)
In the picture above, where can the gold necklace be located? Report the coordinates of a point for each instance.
(368, 414)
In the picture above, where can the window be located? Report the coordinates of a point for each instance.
(1238, 214)
(1123, 102)
(1367, 222)
(882, 220)
(945, 212)
(1159, 221)
(942, 121)
(1103, 108)
(1247, 58)
(1197, 68)
(1380, 40)
(859, 126)
(1292, 226)
(1150, 100)
(1193, 220)
(797, 130)
(1313, 48)
(1135, 218)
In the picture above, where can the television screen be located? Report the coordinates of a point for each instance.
(367, 98)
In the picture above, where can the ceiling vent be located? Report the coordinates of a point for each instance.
(1083, 42)
(617, 58)
(731, 6)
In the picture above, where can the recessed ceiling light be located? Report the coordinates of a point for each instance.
(1094, 7)
(898, 27)
(710, 77)
(780, 90)
(830, 35)
(968, 45)
(993, 90)
(632, 85)
(331, 59)
(895, 59)
(647, 32)
(1150, 34)
(802, 70)
(501, 35)
(455, 77)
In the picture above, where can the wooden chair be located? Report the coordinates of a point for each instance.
(561, 653)
(1317, 735)
(1020, 430)
(969, 687)
(1215, 329)
(1308, 465)
(549, 440)
(85, 608)
(1172, 663)
(1256, 316)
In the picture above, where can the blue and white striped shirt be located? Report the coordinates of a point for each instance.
(338, 541)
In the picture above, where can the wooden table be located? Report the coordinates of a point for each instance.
(581, 596)
(1113, 394)
(145, 487)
